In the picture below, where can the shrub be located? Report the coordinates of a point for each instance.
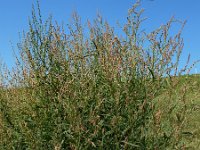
(79, 88)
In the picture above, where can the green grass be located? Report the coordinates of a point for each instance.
(191, 124)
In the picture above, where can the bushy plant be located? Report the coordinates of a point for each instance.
(79, 88)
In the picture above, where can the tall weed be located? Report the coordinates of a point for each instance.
(79, 88)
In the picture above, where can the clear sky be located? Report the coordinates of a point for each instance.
(14, 19)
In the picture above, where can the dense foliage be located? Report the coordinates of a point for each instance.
(88, 88)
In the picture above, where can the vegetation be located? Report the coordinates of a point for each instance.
(88, 88)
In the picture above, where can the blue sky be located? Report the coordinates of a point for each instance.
(14, 19)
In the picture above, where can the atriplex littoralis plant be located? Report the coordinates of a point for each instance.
(78, 89)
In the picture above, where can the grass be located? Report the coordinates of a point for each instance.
(71, 90)
(191, 129)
